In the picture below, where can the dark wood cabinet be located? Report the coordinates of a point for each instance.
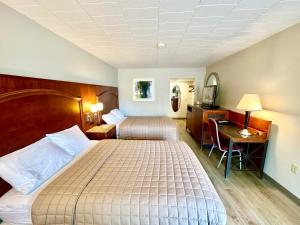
(197, 122)
(189, 118)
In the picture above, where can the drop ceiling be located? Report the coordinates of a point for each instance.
(125, 33)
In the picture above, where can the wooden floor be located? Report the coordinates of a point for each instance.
(247, 199)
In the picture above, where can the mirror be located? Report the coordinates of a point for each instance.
(176, 98)
(213, 79)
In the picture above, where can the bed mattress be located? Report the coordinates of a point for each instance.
(148, 128)
(131, 182)
(15, 208)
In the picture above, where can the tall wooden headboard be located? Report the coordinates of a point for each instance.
(110, 101)
(87, 92)
(28, 114)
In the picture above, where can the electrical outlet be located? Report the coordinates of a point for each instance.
(294, 168)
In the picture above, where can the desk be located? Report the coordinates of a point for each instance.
(231, 131)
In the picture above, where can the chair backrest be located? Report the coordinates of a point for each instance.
(214, 132)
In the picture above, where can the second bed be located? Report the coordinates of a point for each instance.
(148, 128)
(142, 127)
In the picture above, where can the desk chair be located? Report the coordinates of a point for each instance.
(221, 144)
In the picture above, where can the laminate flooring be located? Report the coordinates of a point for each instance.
(247, 199)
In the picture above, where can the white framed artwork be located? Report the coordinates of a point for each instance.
(143, 89)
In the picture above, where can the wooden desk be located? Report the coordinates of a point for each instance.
(231, 131)
(197, 122)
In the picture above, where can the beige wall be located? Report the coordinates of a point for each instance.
(162, 78)
(28, 49)
(271, 69)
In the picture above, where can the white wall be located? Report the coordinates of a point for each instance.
(271, 69)
(28, 49)
(186, 98)
(162, 76)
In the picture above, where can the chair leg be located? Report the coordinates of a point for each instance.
(240, 154)
(211, 150)
(223, 156)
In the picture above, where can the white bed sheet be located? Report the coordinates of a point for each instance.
(15, 208)
(118, 126)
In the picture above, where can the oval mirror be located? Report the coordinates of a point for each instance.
(213, 79)
(175, 98)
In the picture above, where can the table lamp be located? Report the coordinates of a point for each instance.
(93, 109)
(249, 103)
(99, 107)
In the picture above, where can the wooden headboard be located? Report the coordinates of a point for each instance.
(27, 115)
(109, 99)
(87, 92)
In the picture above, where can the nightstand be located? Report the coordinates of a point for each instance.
(104, 131)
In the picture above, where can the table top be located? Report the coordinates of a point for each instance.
(231, 131)
(104, 128)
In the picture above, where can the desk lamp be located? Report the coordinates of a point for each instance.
(249, 103)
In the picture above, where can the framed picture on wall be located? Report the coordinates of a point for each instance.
(143, 89)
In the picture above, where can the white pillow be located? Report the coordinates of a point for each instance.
(110, 118)
(29, 167)
(72, 140)
(117, 113)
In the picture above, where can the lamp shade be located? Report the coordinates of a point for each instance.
(93, 108)
(99, 106)
(250, 102)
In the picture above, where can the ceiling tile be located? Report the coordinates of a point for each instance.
(257, 4)
(235, 24)
(73, 16)
(178, 6)
(143, 24)
(120, 28)
(128, 4)
(141, 13)
(19, 2)
(125, 33)
(220, 2)
(175, 17)
(205, 21)
(212, 10)
(172, 26)
(170, 33)
(143, 32)
(96, 1)
(103, 9)
(58, 5)
(245, 14)
(285, 9)
(144, 36)
(200, 29)
(83, 25)
(109, 20)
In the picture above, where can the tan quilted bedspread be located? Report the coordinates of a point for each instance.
(130, 182)
(148, 128)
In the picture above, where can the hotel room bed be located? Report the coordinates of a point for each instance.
(110, 182)
(147, 128)
(138, 127)
(123, 182)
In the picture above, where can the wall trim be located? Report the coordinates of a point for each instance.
(286, 192)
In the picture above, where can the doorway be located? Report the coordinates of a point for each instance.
(181, 94)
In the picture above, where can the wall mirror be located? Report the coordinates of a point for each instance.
(213, 79)
(176, 98)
